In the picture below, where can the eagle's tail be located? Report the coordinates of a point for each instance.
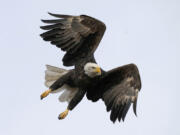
(51, 75)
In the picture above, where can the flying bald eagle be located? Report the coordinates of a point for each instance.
(79, 36)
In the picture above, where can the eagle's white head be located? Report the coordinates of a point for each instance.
(92, 69)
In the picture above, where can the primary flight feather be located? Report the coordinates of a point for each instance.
(79, 36)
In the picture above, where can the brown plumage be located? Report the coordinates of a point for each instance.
(79, 36)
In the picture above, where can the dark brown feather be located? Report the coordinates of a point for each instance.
(53, 21)
(60, 16)
(79, 36)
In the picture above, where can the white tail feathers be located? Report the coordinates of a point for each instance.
(51, 75)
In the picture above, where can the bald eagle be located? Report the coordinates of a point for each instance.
(79, 36)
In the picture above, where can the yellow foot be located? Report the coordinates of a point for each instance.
(63, 114)
(45, 94)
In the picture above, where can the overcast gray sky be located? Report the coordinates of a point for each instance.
(144, 32)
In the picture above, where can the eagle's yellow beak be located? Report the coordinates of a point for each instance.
(98, 70)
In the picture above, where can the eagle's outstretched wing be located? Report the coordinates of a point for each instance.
(122, 86)
(118, 89)
(79, 36)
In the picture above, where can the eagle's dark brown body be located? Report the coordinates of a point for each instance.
(79, 37)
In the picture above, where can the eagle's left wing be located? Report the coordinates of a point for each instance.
(118, 89)
(121, 87)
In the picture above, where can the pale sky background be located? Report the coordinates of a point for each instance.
(144, 32)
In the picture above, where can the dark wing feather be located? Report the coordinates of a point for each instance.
(79, 36)
(120, 89)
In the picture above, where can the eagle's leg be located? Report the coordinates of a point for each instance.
(63, 114)
(74, 101)
(45, 93)
(57, 84)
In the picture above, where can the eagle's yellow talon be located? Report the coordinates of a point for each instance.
(45, 94)
(63, 114)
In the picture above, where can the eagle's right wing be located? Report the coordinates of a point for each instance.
(78, 36)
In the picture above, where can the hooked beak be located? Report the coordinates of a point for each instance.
(98, 70)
